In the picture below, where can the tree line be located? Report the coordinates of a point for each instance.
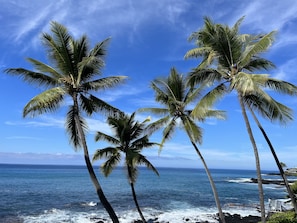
(228, 61)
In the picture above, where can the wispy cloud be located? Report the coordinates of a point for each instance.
(44, 121)
(23, 138)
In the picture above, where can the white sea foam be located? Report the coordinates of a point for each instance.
(240, 180)
(190, 215)
(89, 204)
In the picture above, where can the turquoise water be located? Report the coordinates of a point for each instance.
(37, 193)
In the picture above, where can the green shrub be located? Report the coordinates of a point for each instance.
(283, 217)
(294, 187)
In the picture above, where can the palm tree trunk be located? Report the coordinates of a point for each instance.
(281, 171)
(92, 174)
(258, 167)
(134, 197)
(212, 184)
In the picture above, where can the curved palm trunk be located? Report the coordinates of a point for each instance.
(281, 171)
(92, 174)
(258, 167)
(135, 198)
(213, 187)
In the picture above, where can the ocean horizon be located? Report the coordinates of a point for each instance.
(32, 193)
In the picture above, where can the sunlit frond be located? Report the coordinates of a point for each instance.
(257, 47)
(207, 101)
(46, 101)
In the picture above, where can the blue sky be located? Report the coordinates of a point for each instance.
(148, 37)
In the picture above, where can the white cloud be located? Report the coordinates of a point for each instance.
(287, 71)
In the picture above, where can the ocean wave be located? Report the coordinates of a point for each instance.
(190, 215)
(240, 180)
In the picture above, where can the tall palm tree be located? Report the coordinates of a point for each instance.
(173, 93)
(130, 138)
(228, 61)
(74, 73)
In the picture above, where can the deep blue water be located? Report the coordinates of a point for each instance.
(43, 193)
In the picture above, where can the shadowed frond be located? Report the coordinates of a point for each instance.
(141, 159)
(107, 138)
(193, 130)
(31, 77)
(258, 63)
(281, 86)
(103, 107)
(204, 76)
(103, 83)
(59, 48)
(105, 153)
(269, 108)
(108, 166)
(73, 121)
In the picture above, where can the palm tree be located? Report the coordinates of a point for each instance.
(174, 95)
(130, 138)
(74, 73)
(228, 61)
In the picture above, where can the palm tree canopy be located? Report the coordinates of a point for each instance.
(176, 97)
(229, 60)
(75, 72)
(129, 138)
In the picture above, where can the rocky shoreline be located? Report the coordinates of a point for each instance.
(277, 182)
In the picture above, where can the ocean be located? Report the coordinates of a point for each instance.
(55, 194)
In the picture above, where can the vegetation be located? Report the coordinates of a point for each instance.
(130, 138)
(73, 73)
(294, 187)
(229, 62)
(283, 217)
(172, 92)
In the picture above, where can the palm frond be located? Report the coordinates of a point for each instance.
(32, 77)
(194, 131)
(281, 86)
(104, 153)
(109, 165)
(156, 111)
(257, 47)
(141, 159)
(44, 68)
(46, 101)
(59, 49)
(154, 126)
(80, 50)
(269, 108)
(168, 131)
(198, 52)
(72, 127)
(103, 107)
(204, 76)
(257, 63)
(107, 138)
(103, 83)
(207, 101)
